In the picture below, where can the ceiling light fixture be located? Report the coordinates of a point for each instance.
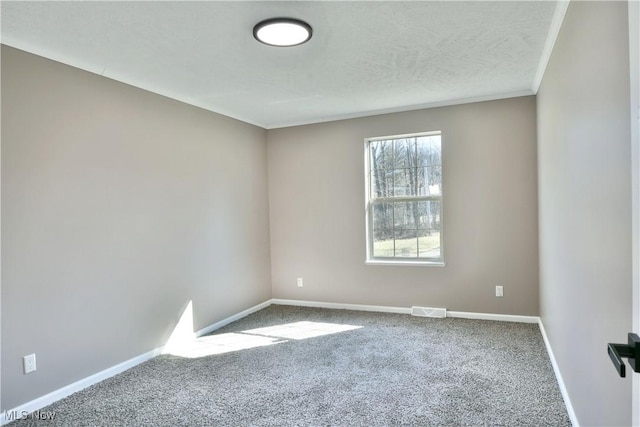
(282, 32)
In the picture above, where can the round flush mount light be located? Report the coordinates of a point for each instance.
(282, 32)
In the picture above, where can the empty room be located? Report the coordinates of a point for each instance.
(340, 213)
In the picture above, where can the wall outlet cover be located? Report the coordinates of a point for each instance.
(29, 363)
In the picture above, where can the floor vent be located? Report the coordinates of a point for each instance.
(428, 312)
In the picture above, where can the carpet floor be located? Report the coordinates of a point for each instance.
(294, 366)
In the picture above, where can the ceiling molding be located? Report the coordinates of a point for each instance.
(554, 31)
(446, 103)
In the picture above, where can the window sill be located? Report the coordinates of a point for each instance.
(407, 262)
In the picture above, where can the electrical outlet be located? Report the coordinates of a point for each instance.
(499, 291)
(300, 284)
(29, 363)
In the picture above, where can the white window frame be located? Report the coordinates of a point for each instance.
(397, 260)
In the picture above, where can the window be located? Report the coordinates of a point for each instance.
(404, 199)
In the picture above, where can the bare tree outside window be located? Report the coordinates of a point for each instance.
(404, 200)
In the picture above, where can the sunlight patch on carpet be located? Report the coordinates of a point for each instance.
(223, 343)
(302, 330)
(252, 338)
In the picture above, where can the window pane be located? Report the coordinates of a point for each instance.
(406, 214)
(406, 243)
(383, 248)
(383, 242)
(381, 154)
(401, 182)
(429, 243)
(429, 235)
(429, 181)
(382, 213)
(423, 209)
(429, 150)
(405, 153)
(381, 183)
(434, 214)
(429, 214)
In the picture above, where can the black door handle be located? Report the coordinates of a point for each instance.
(630, 351)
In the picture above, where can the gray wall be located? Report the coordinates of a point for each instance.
(118, 208)
(317, 205)
(585, 207)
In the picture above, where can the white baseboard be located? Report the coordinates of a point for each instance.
(65, 391)
(405, 310)
(492, 316)
(340, 306)
(556, 370)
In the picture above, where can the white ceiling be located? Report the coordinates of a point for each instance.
(364, 58)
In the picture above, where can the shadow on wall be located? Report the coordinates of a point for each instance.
(184, 343)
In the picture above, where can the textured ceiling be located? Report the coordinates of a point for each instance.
(364, 57)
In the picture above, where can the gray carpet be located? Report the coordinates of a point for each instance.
(393, 370)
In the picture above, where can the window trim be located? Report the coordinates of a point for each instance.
(395, 261)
